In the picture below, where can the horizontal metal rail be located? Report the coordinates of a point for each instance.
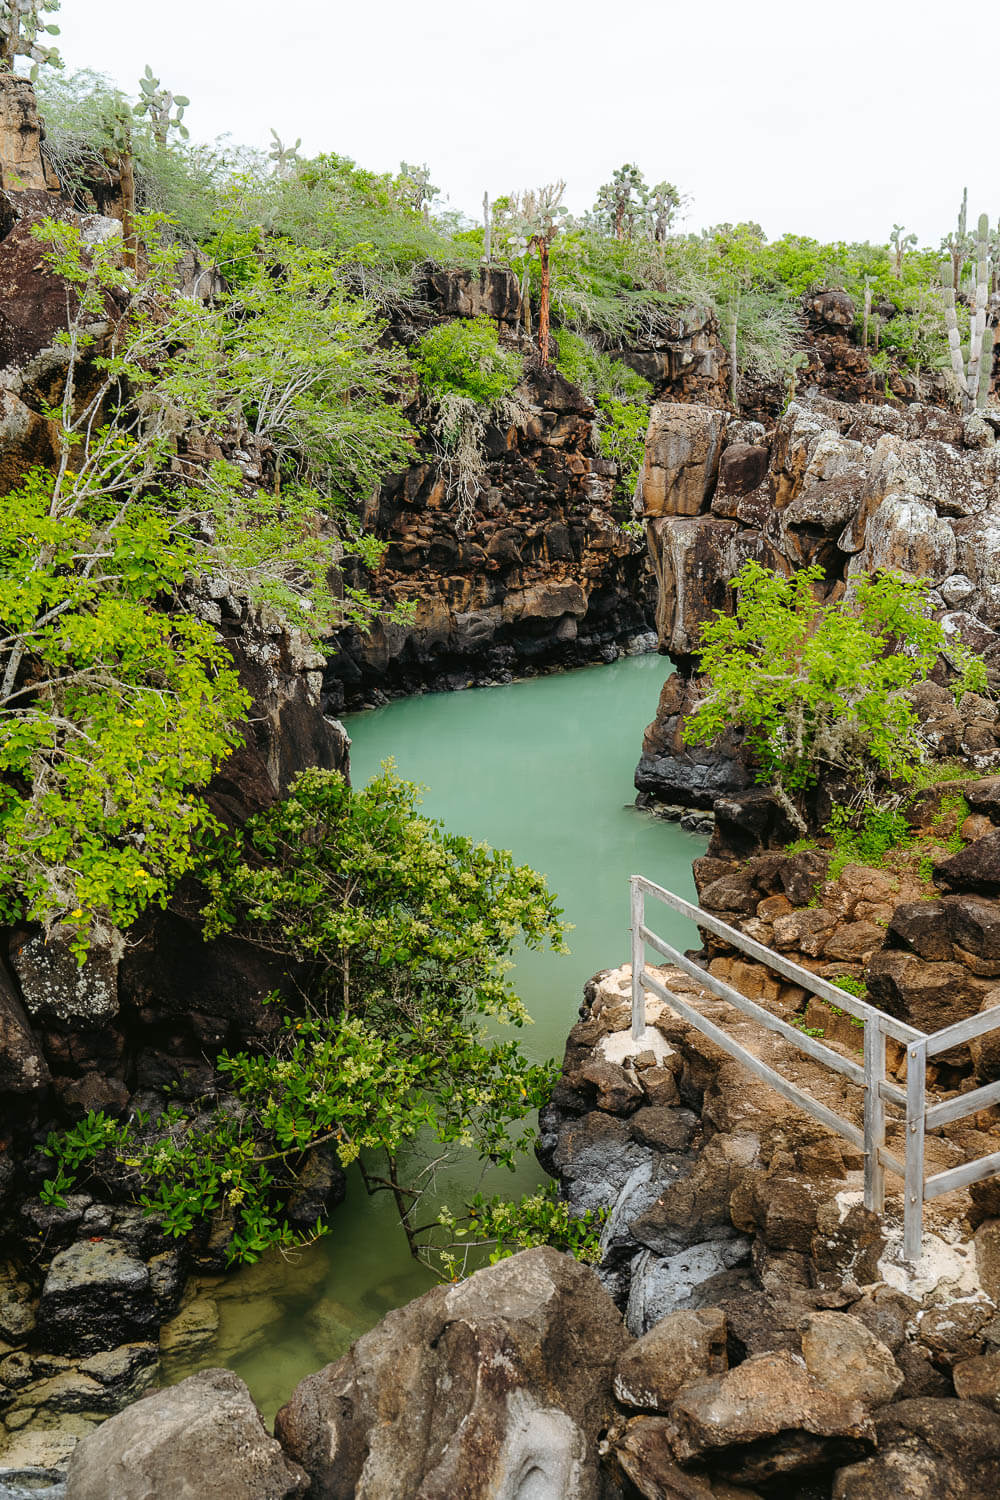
(964, 1031)
(830, 1059)
(788, 1090)
(956, 1177)
(919, 1116)
(962, 1105)
(782, 965)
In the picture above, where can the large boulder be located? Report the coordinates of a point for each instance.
(766, 1418)
(683, 448)
(499, 1386)
(200, 1440)
(929, 1449)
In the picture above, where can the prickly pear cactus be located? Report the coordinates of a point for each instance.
(164, 108)
(21, 24)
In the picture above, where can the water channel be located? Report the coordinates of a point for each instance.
(541, 767)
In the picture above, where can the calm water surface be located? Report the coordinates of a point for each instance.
(543, 768)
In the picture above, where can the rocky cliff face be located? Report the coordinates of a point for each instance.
(538, 572)
(853, 488)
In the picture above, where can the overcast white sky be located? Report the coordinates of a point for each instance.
(834, 120)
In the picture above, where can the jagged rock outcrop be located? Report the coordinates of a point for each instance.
(541, 573)
(23, 165)
(852, 488)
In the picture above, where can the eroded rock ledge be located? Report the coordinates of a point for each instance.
(852, 488)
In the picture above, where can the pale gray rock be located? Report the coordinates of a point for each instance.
(662, 1283)
(200, 1440)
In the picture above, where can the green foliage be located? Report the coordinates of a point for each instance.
(506, 1226)
(622, 399)
(113, 712)
(851, 986)
(116, 702)
(401, 934)
(817, 687)
(21, 23)
(305, 359)
(159, 104)
(865, 837)
(464, 357)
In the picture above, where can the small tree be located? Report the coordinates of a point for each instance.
(159, 103)
(972, 365)
(819, 688)
(20, 24)
(283, 158)
(400, 934)
(415, 189)
(900, 242)
(535, 216)
(661, 205)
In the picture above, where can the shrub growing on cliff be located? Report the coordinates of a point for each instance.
(817, 687)
(117, 703)
(464, 357)
(470, 379)
(622, 399)
(400, 935)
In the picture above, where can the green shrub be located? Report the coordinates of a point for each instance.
(622, 399)
(400, 933)
(817, 687)
(865, 837)
(464, 357)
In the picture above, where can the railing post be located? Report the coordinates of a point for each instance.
(874, 1116)
(913, 1187)
(638, 902)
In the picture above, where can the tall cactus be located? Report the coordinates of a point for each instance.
(973, 378)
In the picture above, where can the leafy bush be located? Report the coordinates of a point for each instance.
(400, 933)
(820, 687)
(464, 357)
(622, 399)
(865, 837)
(505, 1226)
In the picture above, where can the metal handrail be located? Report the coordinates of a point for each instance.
(919, 1117)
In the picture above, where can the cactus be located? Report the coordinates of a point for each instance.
(284, 157)
(158, 103)
(20, 23)
(974, 377)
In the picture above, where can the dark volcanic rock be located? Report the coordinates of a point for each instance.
(468, 1391)
(974, 868)
(96, 1296)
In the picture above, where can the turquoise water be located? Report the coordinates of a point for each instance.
(543, 768)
